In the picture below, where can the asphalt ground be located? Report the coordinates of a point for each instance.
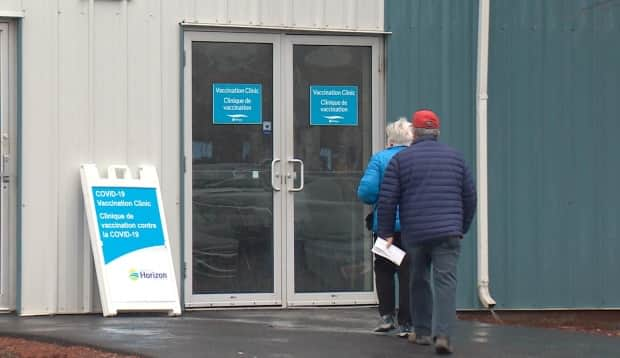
(283, 333)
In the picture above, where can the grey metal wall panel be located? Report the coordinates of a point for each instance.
(554, 115)
(431, 60)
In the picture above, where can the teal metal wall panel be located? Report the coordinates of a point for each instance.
(554, 119)
(431, 62)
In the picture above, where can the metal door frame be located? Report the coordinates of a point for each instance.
(239, 299)
(283, 150)
(8, 251)
(377, 83)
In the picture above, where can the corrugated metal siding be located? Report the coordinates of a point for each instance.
(431, 60)
(357, 15)
(11, 5)
(554, 119)
(101, 84)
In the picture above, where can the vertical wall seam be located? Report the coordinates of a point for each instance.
(56, 45)
(125, 23)
(19, 194)
(91, 152)
(161, 93)
(150, 80)
(227, 12)
(194, 15)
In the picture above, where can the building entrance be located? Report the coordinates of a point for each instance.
(278, 131)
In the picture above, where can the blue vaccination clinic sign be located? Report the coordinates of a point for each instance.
(237, 103)
(333, 105)
(127, 219)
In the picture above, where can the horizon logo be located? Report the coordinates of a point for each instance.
(136, 275)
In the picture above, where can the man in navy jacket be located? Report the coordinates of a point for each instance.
(434, 190)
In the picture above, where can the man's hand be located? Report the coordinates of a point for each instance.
(389, 241)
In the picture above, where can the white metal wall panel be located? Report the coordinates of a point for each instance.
(110, 82)
(336, 12)
(306, 13)
(100, 84)
(271, 15)
(10, 6)
(144, 84)
(169, 134)
(40, 155)
(369, 14)
(73, 275)
(354, 15)
(240, 11)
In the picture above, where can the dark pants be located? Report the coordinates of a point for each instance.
(441, 256)
(384, 279)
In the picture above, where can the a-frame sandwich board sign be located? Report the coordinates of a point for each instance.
(129, 240)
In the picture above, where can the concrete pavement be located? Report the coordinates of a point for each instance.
(278, 333)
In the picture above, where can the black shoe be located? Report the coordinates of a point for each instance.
(386, 324)
(442, 345)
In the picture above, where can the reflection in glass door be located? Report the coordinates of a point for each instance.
(233, 248)
(331, 110)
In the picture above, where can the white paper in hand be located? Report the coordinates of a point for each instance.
(392, 253)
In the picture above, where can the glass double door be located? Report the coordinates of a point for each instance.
(278, 131)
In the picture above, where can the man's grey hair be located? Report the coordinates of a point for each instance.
(425, 132)
(399, 132)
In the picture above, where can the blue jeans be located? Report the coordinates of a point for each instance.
(443, 254)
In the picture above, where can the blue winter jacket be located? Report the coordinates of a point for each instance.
(370, 184)
(433, 189)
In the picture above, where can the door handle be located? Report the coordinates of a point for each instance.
(290, 175)
(275, 174)
(4, 174)
(4, 159)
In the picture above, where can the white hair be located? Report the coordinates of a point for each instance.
(399, 132)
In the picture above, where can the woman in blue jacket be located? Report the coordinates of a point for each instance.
(399, 136)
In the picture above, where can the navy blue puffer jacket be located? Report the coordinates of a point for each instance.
(434, 190)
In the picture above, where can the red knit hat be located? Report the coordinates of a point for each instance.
(425, 119)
